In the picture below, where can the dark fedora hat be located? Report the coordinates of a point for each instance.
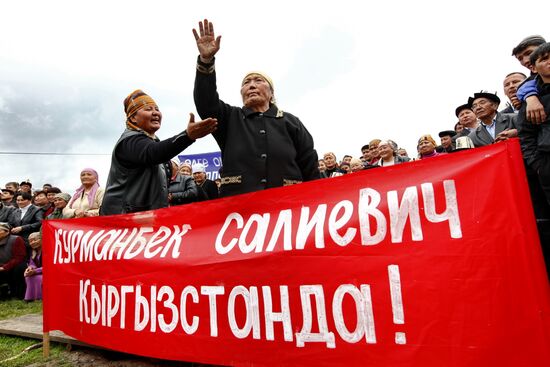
(450, 133)
(467, 106)
(484, 94)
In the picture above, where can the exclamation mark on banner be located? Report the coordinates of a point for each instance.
(397, 302)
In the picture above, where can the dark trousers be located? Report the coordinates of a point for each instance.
(15, 281)
(539, 188)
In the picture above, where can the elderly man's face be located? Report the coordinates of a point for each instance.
(484, 108)
(199, 177)
(256, 92)
(511, 84)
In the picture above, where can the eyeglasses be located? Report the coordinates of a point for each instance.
(482, 102)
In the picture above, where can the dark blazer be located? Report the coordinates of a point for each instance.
(10, 215)
(208, 190)
(481, 137)
(31, 222)
(183, 190)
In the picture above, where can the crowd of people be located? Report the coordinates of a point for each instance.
(142, 177)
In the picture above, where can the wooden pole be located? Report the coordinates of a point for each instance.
(46, 344)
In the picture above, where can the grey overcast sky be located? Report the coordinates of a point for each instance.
(350, 70)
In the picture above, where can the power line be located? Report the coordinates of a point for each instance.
(49, 153)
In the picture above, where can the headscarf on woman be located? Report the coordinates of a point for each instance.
(80, 190)
(133, 103)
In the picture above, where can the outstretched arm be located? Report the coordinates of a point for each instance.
(207, 43)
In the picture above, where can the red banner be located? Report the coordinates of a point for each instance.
(430, 263)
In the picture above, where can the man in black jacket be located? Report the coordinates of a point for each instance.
(9, 215)
(535, 145)
(535, 138)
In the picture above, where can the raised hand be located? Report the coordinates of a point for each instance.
(207, 43)
(196, 130)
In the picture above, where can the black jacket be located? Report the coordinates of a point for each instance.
(259, 150)
(31, 222)
(183, 190)
(208, 190)
(535, 138)
(10, 215)
(139, 173)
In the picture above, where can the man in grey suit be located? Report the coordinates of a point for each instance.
(494, 126)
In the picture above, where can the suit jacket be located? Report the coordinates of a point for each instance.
(480, 137)
(9, 214)
(31, 222)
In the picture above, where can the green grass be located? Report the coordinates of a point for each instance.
(14, 308)
(13, 346)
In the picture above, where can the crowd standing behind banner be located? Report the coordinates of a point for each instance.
(479, 123)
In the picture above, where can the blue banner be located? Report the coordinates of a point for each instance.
(212, 162)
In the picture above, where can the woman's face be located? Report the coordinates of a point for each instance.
(148, 118)
(425, 147)
(385, 151)
(87, 178)
(59, 203)
(35, 242)
(322, 165)
(185, 170)
(256, 91)
(356, 166)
